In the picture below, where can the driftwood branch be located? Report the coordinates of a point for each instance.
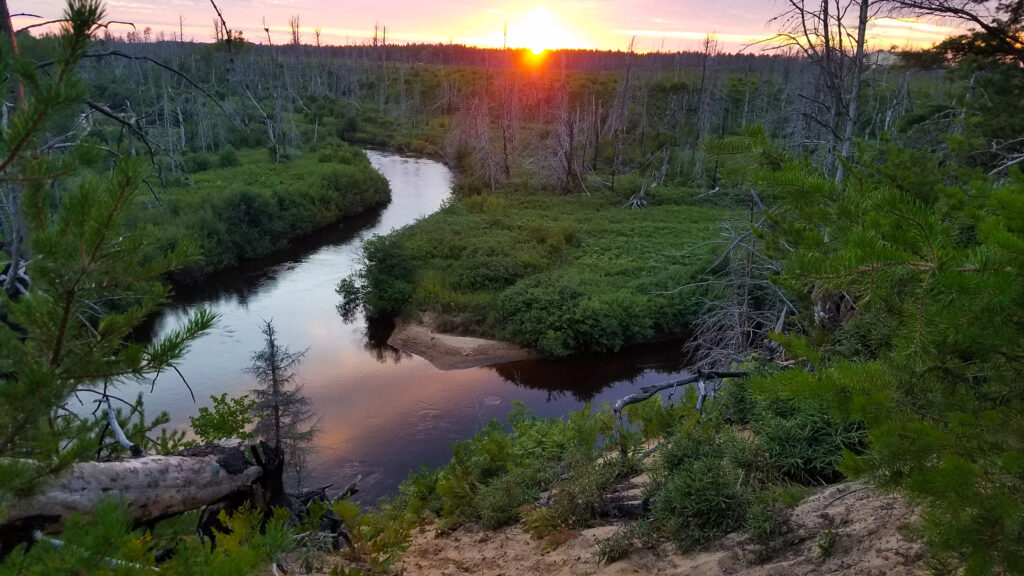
(119, 435)
(647, 392)
(349, 490)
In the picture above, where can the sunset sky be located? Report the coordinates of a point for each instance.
(602, 24)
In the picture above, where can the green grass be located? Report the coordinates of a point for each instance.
(560, 274)
(253, 206)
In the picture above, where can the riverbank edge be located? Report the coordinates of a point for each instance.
(193, 279)
(448, 352)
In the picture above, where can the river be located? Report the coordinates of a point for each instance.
(382, 413)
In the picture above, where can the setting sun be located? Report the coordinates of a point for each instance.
(540, 31)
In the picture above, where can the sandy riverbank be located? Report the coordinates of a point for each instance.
(866, 531)
(448, 352)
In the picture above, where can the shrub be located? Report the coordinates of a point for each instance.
(700, 501)
(808, 445)
(419, 492)
(579, 500)
(735, 403)
(229, 419)
(542, 524)
(197, 161)
(228, 157)
(499, 501)
(388, 276)
(615, 547)
(693, 441)
(767, 512)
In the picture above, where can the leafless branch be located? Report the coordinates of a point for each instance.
(649, 391)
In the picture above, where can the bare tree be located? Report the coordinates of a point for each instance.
(618, 115)
(742, 305)
(565, 140)
(834, 41)
(293, 26)
(1001, 21)
(11, 197)
(853, 103)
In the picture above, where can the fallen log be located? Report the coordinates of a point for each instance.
(153, 488)
(701, 376)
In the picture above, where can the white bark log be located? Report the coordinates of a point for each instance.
(153, 488)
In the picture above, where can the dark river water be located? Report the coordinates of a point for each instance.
(382, 413)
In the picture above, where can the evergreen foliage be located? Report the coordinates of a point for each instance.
(931, 363)
(92, 285)
(71, 334)
(283, 415)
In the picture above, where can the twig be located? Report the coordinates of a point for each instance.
(349, 490)
(841, 496)
(182, 376)
(1014, 162)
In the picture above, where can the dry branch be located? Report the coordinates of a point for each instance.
(134, 449)
(701, 376)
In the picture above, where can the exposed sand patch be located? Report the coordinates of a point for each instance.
(448, 352)
(865, 527)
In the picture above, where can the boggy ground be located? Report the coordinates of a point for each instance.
(845, 529)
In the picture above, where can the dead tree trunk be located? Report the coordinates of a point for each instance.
(153, 488)
(852, 110)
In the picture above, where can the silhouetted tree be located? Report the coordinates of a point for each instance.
(284, 418)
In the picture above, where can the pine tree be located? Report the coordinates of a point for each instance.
(91, 284)
(931, 358)
(69, 333)
(284, 417)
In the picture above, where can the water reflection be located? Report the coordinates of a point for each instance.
(382, 413)
(584, 376)
(375, 341)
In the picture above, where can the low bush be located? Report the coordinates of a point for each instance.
(808, 446)
(228, 157)
(197, 162)
(251, 206)
(711, 477)
(494, 474)
(699, 501)
(548, 272)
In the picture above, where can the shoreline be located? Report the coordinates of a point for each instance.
(449, 352)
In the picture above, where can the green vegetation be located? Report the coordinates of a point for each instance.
(227, 419)
(91, 545)
(710, 478)
(931, 362)
(252, 206)
(83, 227)
(555, 273)
(915, 387)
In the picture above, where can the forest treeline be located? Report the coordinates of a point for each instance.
(865, 274)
